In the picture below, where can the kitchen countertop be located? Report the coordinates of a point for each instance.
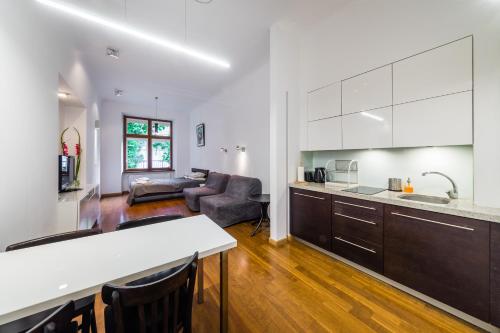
(458, 207)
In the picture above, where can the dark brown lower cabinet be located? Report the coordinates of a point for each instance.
(310, 217)
(495, 274)
(442, 256)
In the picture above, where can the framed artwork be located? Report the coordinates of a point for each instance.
(200, 135)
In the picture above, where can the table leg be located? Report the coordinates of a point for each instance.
(263, 217)
(200, 281)
(257, 228)
(224, 288)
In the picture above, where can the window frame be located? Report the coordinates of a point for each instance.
(150, 139)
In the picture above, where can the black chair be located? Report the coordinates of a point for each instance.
(164, 306)
(147, 221)
(59, 321)
(143, 222)
(83, 307)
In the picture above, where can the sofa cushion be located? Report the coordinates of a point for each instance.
(225, 210)
(217, 181)
(193, 195)
(242, 187)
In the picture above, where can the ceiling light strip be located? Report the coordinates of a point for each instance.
(135, 33)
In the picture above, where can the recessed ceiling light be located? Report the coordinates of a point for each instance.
(118, 92)
(203, 1)
(105, 22)
(63, 95)
(113, 53)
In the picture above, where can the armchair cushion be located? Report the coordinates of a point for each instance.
(216, 183)
(233, 206)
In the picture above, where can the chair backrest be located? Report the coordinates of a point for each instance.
(163, 306)
(217, 181)
(54, 238)
(147, 221)
(58, 322)
(242, 187)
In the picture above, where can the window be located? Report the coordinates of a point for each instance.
(147, 144)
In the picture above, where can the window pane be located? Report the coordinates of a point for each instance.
(137, 126)
(161, 153)
(160, 128)
(137, 153)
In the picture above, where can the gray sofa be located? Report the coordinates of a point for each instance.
(216, 184)
(233, 206)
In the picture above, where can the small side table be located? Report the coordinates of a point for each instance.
(264, 200)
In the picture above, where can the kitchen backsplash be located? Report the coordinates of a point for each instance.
(377, 165)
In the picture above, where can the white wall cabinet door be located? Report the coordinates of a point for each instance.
(324, 102)
(443, 70)
(367, 91)
(325, 134)
(441, 121)
(367, 129)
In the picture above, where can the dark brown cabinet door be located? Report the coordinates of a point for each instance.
(495, 274)
(358, 231)
(445, 257)
(310, 217)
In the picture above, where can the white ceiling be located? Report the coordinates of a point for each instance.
(235, 30)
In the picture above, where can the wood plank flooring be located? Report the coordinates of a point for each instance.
(292, 288)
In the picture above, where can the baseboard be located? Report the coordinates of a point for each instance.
(109, 195)
(278, 243)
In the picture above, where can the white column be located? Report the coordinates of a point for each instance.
(284, 63)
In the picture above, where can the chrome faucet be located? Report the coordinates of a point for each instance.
(349, 172)
(453, 193)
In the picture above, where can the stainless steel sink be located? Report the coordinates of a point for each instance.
(425, 198)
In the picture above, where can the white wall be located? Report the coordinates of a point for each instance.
(112, 140)
(377, 165)
(33, 56)
(238, 115)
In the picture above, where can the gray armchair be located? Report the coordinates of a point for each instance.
(216, 184)
(233, 206)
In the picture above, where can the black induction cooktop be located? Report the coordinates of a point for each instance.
(365, 190)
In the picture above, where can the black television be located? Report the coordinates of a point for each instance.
(66, 172)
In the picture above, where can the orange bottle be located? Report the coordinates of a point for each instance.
(408, 188)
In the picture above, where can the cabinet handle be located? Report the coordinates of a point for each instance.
(353, 244)
(355, 218)
(359, 206)
(309, 196)
(435, 222)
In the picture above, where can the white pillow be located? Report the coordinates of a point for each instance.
(196, 175)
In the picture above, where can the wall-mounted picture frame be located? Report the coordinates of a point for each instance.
(200, 135)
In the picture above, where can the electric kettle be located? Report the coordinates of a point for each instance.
(319, 175)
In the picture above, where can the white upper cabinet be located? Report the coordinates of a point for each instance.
(441, 121)
(444, 70)
(367, 91)
(325, 134)
(324, 102)
(367, 129)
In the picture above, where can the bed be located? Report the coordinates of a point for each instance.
(160, 189)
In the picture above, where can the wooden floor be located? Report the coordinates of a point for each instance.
(292, 288)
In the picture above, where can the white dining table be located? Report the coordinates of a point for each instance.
(43, 277)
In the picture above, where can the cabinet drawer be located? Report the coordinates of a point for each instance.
(362, 209)
(311, 218)
(445, 257)
(368, 229)
(356, 250)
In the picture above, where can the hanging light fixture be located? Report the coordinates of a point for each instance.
(156, 116)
